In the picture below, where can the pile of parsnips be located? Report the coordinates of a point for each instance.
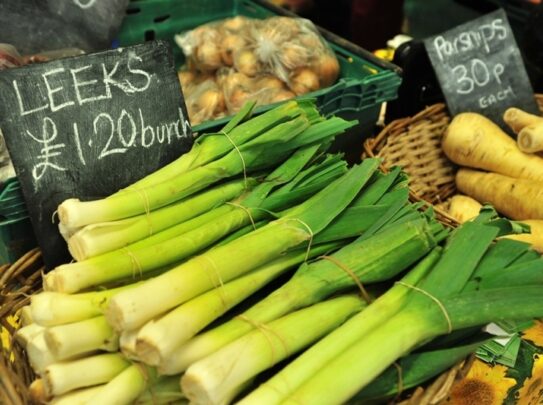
(512, 176)
(163, 303)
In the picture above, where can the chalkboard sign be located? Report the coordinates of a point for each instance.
(34, 26)
(87, 126)
(480, 69)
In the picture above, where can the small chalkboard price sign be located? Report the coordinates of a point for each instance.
(480, 69)
(87, 126)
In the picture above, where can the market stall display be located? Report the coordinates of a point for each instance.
(288, 208)
(257, 266)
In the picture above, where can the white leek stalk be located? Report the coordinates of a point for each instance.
(125, 388)
(39, 355)
(77, 338)
(63, 377)
(26, 316)
(27, 333)
(52, 308)
(158, 338)
(77, 397)
(99, 238)
(216, 379)
(127, 342)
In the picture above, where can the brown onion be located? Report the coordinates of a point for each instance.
(327, 68)
(238, 97)
(211, 100)
(186, 78)
(208, 56)
(311, 41)
(282, 95)
(288, 25)
(235, 23)
(229, 45)
(247, 62)
(304, 80)
(268, 82)
(293, 56)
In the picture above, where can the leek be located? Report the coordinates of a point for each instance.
(416, 369)
(279, 387)
(60, 378)
(370, 260)
(209, 147)
(158, 338)
(131, 309)
(76, 397)
(125, 387)
(96, 239)
(167, 247)
(39, 354)
(51, 308)
(93, 334)
(422, 318)
(275, 145)
(217, 379)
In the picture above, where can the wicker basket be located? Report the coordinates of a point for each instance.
(414, 143)
(17, 282)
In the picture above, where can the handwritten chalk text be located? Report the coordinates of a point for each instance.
(469, 41)
(83, 89)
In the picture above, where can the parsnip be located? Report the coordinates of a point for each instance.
(535, 237)
(464, 208)
(474, 141)
(515, 198)
(518, 119)
(530, 138)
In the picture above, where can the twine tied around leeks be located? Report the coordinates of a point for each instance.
(240, 156)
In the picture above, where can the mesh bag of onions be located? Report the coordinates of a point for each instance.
(239, 59)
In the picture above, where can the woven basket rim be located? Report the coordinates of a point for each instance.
(17, 282)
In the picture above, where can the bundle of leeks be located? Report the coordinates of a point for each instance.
(169, 251)
(152, 311)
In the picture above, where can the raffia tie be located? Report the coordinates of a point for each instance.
(351, 274)
(400, 379)
(240, 156)
(146, 206)
(220, 286)
(136, 265)
(244, 208)
(310, 233)
(438, 302)
(266, 331)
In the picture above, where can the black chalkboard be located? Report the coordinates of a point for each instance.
(34, 26)
(89, 125)
(480, 69)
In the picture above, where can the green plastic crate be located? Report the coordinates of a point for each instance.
(16, 233)
(365, 81)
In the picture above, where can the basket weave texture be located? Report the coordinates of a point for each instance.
(17, 282)
(414, 143)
